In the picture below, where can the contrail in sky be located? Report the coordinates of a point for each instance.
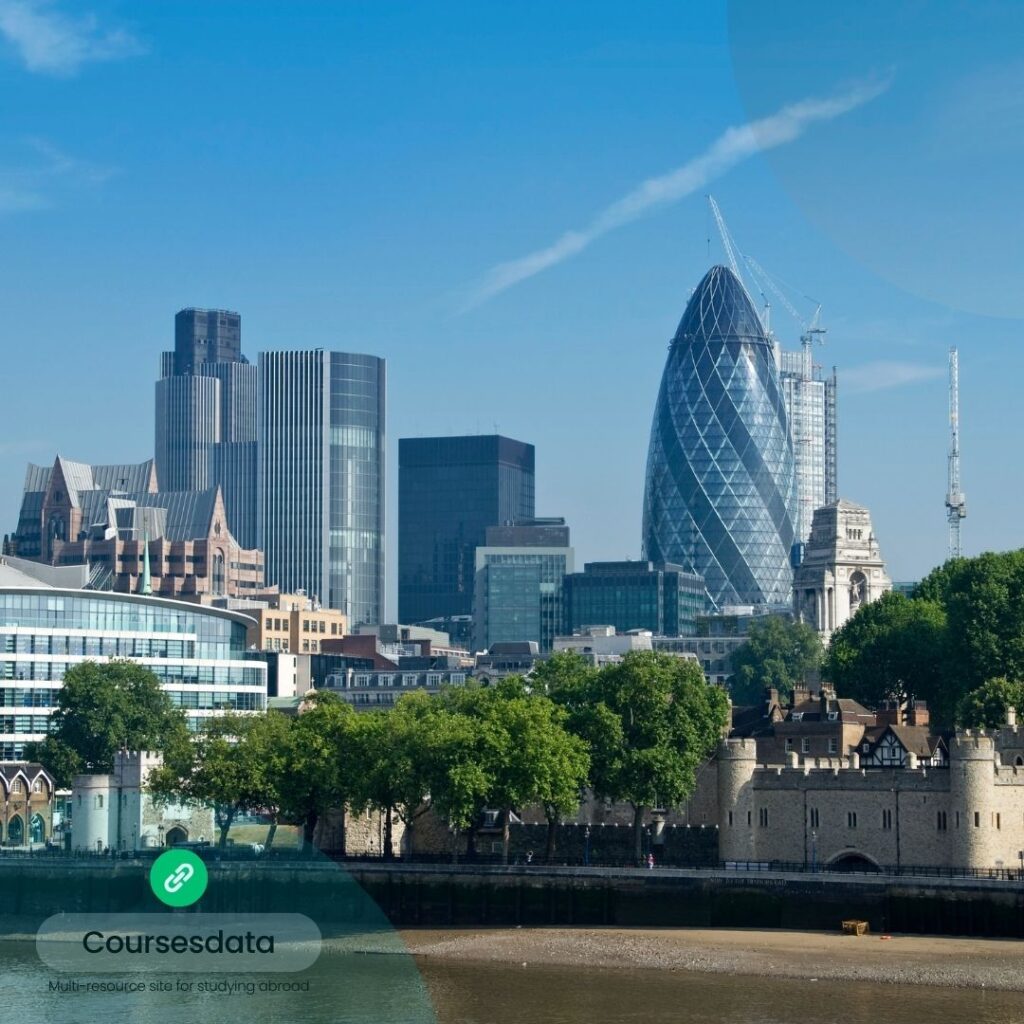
(732, 147)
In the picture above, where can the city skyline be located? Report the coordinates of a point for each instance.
(360, 226)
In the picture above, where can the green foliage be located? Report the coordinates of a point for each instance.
(892, 649)
(779, 653)
(650, 722)
(232, 765)
(963, 627)
(986, 706)
(318, 771)
(103, 708)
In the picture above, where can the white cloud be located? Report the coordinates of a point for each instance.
(882, 375)
(730, 148)
(55, 43)
(37, 170)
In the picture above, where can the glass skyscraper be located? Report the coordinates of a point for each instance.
(720, 494)
(518, 586)
(634, 595)
(450, 490)
(811, 406)
(321, 477)
(206, 415)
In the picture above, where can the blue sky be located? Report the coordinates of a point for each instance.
(359, 176)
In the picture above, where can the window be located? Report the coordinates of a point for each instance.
(730, 819)
(99, 802)
(866, 747)
(886, 819)
(977, 819)
(940, 821)
(957, 819)
(805, 746)
(851, 819)
(37, 786)
(789, 744)
(762, 817)
(16, 786)
(833, 745)
(748, 819)
(815, 818)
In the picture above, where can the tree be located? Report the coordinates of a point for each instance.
(779, 653)
(458, 777)
(230, 765)
(892, 649)
(389, 754)
(656, 721)
(316, 773)
(103, 708)
(983, 599)
(986, 706)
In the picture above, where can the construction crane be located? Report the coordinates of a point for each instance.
(956, 503)
(727, 242)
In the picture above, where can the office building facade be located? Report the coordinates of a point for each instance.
(811, 405)
(198, 654)
(664, 599)
(206, 415)
(320, 477)
(450, 490)
(518, 585)
(720, 493)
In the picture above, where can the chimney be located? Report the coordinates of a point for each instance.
(917, 713)
(888, 713)
(771, 696)
(1011, 717)
(800, 695)
(911, 759)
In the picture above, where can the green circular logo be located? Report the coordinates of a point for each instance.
(178, 878)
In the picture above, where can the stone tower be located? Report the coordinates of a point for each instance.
(737, 760)
(972, 757)
(842, 568)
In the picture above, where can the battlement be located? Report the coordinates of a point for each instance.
(738, 750)
(971, 745)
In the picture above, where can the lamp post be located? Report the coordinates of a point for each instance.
(814, 850)
(586, 846)
(160, 835)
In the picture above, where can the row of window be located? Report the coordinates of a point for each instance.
(195, 675)
(814, 819)
(18, 787)
(95, 646)
(805, 745)
(24, 723)
(210, 700)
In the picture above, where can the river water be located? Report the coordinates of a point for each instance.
(390, 989)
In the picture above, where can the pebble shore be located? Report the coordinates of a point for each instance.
(812, 956)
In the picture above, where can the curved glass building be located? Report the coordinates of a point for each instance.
(720, 495)
(199, 654)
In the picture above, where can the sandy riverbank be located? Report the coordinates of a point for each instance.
(906, 960)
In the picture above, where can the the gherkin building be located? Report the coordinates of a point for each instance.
(720, 495)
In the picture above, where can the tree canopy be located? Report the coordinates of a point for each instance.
(963, 627)
(104, 707)
(892, 649)
(779, 653)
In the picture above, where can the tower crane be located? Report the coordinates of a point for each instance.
(956, 502)
(727, 242)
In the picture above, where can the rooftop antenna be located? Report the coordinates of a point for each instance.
(956, 502)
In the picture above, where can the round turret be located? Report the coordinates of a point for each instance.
(971, 781)
(737, 761)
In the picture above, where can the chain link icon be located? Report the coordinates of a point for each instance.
(172, 883)
(178, 878)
